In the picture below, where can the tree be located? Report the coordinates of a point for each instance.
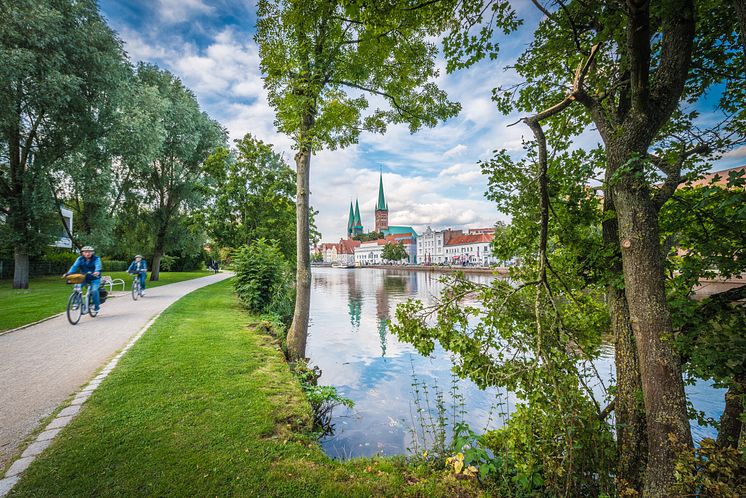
(321, 59)
(252, 197)
(175, 181)
(61, 64)
(629, 70)
(394, 251)
(366, 237)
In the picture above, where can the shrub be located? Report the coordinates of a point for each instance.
(264, 281)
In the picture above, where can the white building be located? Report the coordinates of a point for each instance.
(475, 249)
(368, 253)
(371, 253)
(431, 245)
(64, 237)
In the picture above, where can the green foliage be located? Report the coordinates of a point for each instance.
(61, 65)
(366, 237)
(263, 279)
(711, 470)
(167, 262)
(394, 252)
(253, 191)
(319, 56)
(174, 185)
(323, 399)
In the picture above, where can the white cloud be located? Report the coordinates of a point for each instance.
(174, 11)
(455, 151)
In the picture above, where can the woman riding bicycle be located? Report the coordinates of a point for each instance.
(90, 264)
(139, 267)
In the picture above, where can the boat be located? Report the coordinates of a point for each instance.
(342, 265)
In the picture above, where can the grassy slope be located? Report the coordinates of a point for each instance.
(205, 405)
(48, 295)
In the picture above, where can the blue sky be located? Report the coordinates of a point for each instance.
(431, 178)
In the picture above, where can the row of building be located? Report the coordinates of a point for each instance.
(459, 247)
(432, 247)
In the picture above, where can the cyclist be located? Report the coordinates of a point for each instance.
(90, 264)
(139, 267)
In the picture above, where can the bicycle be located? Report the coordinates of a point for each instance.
(79, 302)
(137, 290)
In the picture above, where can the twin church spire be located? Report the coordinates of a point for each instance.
(355, 224)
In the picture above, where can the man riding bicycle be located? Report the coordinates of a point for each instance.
(89, 264)
(139, 267)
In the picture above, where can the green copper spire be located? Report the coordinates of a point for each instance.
(350, 221)
(357, 221)
(381, 206)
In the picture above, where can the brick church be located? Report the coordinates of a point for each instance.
(355, 224)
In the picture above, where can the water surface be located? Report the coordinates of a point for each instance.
(350, 342)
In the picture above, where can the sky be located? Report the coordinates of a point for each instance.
(431, 178)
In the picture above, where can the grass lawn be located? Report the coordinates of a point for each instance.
(205, 405)
(48, 295)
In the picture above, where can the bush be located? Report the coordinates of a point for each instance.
(264, 280)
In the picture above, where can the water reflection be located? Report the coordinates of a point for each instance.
(349, 341)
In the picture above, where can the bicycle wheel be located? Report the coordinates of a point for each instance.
(135, 289)
(74, 308)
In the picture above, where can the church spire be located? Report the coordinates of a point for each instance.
(358, 222)
(350, 222)
(381, 205)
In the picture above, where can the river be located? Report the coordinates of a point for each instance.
(349, 342)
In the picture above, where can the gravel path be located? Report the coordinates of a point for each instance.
(44, 364)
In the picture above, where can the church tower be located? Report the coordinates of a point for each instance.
(357, 228)
(351, 223)
(382, 209)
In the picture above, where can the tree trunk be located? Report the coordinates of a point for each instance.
(298, 333)
(21, 268)
(660, 368)
(155, 270)
(629, 410)
(730, 422)
(160, 245)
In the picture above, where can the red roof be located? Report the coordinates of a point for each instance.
(723, 174)
(347, 246)
(470, 239)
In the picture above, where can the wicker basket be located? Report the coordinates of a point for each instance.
(76, 278)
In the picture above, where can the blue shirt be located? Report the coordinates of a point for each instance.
(83, 265)
(136, 267)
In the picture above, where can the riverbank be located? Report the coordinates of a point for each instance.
(204, 404)
(499, 270)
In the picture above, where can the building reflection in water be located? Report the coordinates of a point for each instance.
(354, 301)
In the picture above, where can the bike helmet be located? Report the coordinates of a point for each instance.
(87, 248)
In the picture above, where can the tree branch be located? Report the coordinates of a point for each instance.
(673, 172)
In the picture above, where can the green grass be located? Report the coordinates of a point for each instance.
(205, 405)
(48, 295)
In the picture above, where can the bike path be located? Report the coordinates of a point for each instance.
(43, 365)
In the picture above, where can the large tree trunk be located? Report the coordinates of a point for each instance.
(629, 410)
(628, 407)
(155, 269)
(298, 333)
(21, 268)
(730, 422)
(660, 368)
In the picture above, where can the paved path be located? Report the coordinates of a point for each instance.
(43, 365)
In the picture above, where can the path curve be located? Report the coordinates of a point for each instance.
(42, 365)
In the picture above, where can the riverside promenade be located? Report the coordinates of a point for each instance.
(43, 365)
